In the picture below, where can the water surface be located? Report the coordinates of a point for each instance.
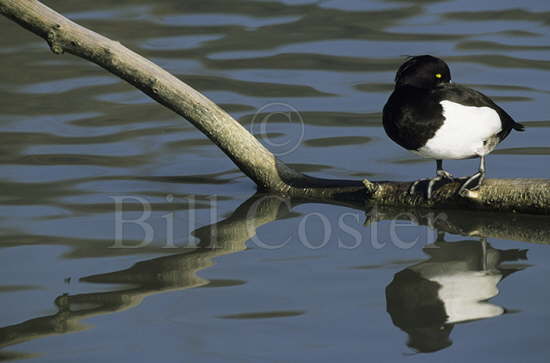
(231, 276)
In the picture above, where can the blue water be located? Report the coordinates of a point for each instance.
(280, 281)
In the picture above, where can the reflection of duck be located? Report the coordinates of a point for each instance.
(179, 271)
(453, 286)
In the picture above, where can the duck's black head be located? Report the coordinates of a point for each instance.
(423, 71)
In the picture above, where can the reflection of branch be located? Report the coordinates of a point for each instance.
(519, 227)
(62, 322)
(153, 276)
(258, 163)
(179, 271)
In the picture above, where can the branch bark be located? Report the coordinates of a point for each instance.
(258, 163)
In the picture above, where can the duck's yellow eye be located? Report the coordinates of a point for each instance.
(438, 75)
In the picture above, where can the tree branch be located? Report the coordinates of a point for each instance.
(268, 172)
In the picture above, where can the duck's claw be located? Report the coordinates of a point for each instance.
(472, 183)
(441, 175)
(412, 188)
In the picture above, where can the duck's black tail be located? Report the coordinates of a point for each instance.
(518, 127)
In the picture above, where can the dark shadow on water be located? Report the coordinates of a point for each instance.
(415, 300)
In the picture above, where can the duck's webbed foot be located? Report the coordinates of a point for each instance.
(472, 183)
(444, 174)
(431, 184)
(475, 181)
(441, 175)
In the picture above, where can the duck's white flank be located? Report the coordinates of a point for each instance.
(467, 131)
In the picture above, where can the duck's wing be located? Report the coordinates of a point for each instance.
(469, 97)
